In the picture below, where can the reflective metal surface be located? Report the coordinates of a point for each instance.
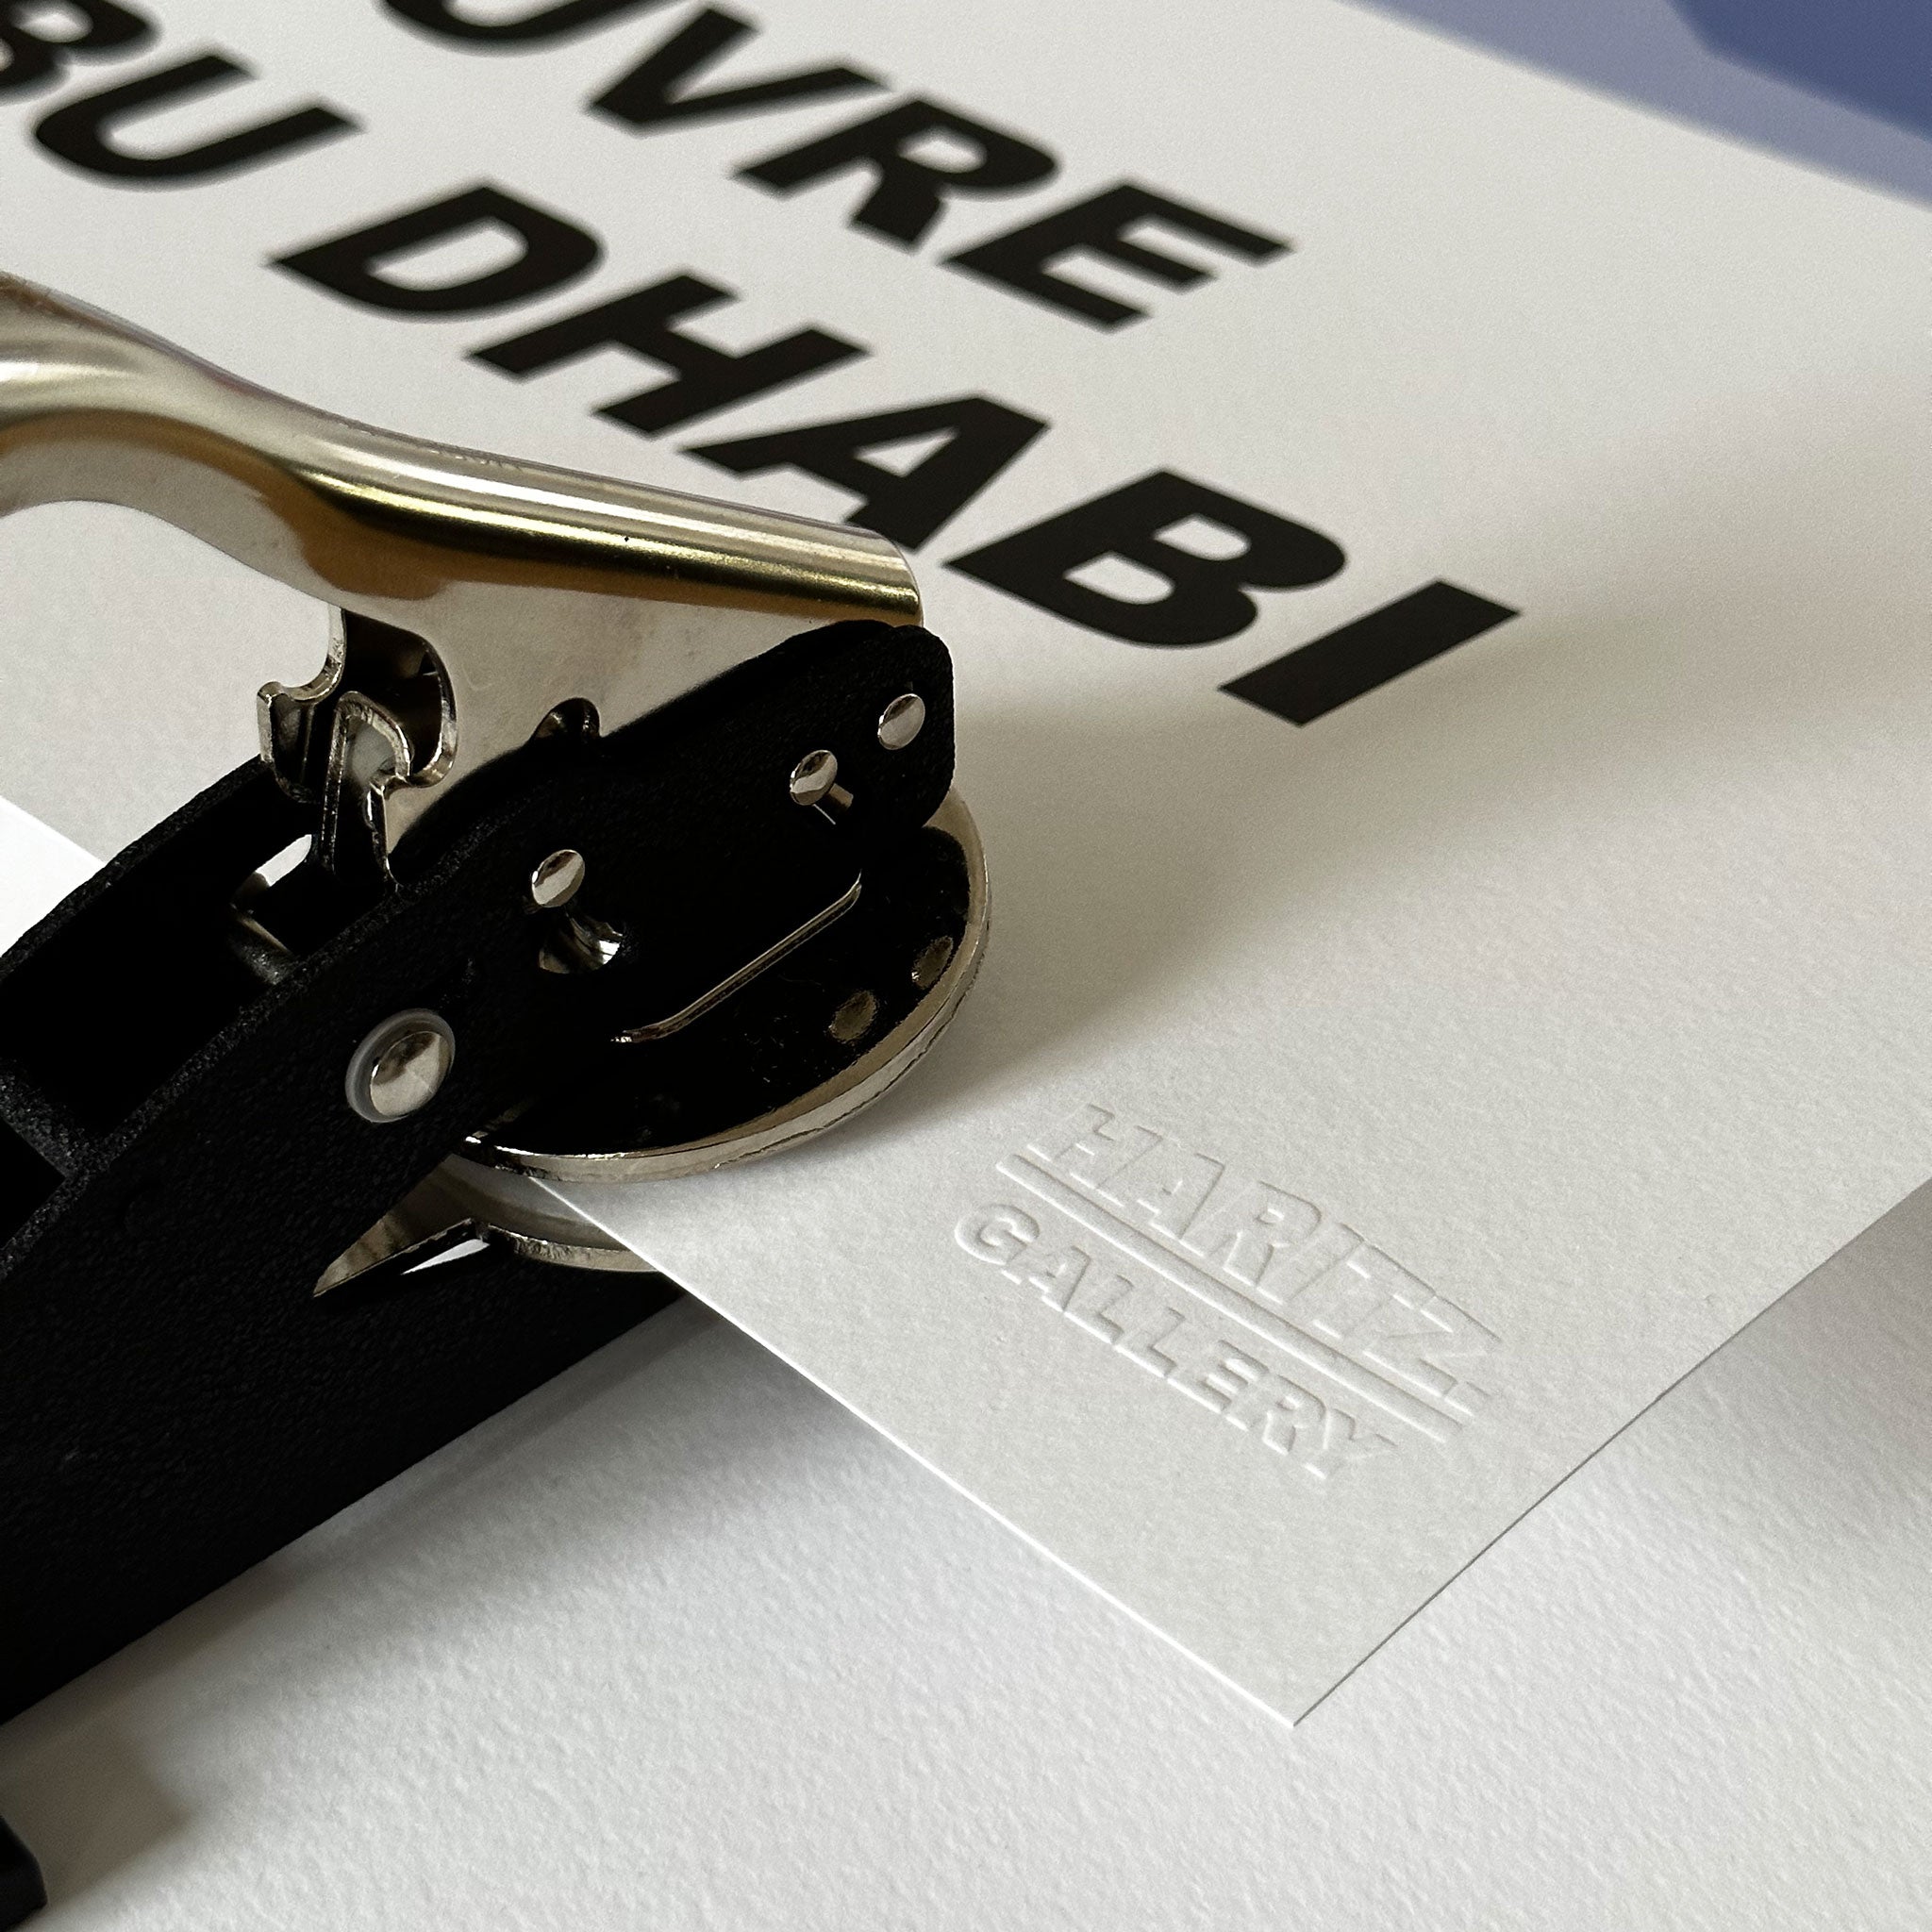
(478, 601)
(500, 1194)
(400, 1066)
(902, 721)
(942, 983)
(461, 1201)
(558, 879)
(478, 594)
(813, 777)
(717, 995)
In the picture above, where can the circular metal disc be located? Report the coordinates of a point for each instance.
(541, 1226)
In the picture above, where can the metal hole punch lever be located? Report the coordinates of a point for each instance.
(630, 850)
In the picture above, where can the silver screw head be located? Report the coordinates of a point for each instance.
(813, 776)
(580, 945)
(902, 721)
(400, 1066)
(556, 880)
(930, 968)
(854, 1019)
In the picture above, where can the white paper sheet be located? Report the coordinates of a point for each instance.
(1565, 991)
(675, 1643)
(38, 869)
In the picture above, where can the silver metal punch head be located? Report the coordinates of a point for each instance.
(740, 899)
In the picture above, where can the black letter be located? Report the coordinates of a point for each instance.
(546, 24)
(31, 59)
(909, 195)
(554, 251)
(1019, 260)
(1311, 680)
(1206, 596)
(78, 133)
(982, 437)
(645, 97)
(708, 378)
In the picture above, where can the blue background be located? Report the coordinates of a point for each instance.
(1840, 84)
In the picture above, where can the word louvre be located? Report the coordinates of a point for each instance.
(1163, 559)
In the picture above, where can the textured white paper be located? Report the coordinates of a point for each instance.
(1566, 990)
(674, 1643)
(1572, 981)
(38, 869)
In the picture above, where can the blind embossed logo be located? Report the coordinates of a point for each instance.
(1246, 1299)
